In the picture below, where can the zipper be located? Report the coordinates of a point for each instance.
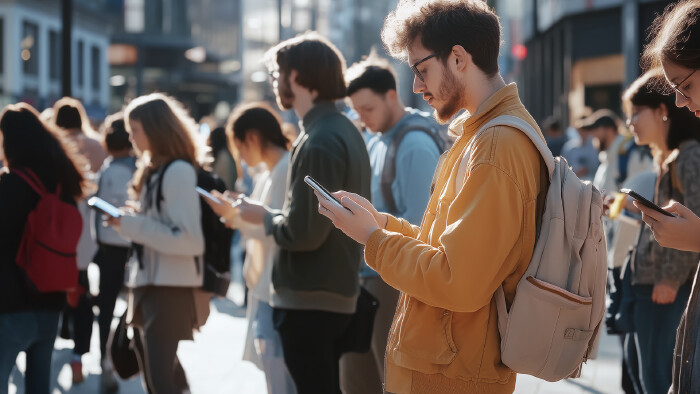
(52, 250)
(559, 291)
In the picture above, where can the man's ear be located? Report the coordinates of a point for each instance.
(390, 95)
(459, 58)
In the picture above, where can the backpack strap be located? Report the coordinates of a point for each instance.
(505, 120)
(33, 181)
(389, 170)
(159, 187)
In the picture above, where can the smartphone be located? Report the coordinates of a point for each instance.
(207, 195)
(104, 207)
(323, 192)
(645, 202)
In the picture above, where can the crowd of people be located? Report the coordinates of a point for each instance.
(396, 282)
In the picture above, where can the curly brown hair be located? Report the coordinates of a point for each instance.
(442, 24)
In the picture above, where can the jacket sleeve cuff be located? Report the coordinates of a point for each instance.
(129, 227)
(674, 283)
(372, 247)
(270, 219)
(393, 224)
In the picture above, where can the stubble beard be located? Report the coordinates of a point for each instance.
(450, 93)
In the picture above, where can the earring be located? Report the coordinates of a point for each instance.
(665, 118)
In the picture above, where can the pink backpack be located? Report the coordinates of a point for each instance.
(47, 252)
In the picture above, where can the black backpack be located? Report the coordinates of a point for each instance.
(217, 237)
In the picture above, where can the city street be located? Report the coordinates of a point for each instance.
(213, 361)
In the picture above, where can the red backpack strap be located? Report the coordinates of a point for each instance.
(32, 180)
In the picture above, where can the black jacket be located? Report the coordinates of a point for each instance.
(17, 200)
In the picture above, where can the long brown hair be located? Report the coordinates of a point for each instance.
(29, 142)
(675, 36)
(171, 133)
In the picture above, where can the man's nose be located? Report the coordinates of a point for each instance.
(418, 85)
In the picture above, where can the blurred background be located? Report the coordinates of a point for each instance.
(564, 54)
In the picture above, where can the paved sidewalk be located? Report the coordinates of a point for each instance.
(213, 363)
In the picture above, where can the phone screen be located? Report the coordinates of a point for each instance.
(645, 202)
(322, 191)
(207, 195)
(104, 206)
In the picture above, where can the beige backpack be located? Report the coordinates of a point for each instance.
(553, 325)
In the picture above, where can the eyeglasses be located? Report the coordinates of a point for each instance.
(677, 87)
(274, 76)
(415, 65)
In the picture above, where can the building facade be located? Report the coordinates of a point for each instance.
(571, 55)
(30, 54)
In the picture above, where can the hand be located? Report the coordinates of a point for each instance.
(112, 221)
(252, 211)
(358, 223)
(364, 203)
(607, 201)
(226, 208)
(681, 232)
(663, 294)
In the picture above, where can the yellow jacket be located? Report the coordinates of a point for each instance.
(444, 337)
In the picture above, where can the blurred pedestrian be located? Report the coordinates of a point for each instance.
(620, 158)
(28, 319)
(70, 116)
(165, 303)
(315, 276)
(675, 47)
(255, 130)
(662, 277)
(554, 135)
(475, 235)
(403, 153)
(580, 153)
(224, 165)
(113, 183)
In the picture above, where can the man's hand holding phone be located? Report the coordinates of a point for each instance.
(353, 219)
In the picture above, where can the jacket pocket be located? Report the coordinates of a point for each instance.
(426, 334)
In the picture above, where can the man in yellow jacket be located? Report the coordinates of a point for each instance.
(478, 231)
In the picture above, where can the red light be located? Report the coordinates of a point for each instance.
(519, 51)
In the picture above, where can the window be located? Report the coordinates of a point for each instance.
(55, 54)
(95, 60)
(80, 67)
(29, 48)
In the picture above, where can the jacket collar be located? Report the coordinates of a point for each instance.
(318, 111)
(501, 101)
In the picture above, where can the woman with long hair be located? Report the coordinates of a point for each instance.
(28, 319)
(662, 277)
(165, 273)
(255, 132)
(675, 47)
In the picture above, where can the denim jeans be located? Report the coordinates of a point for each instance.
(33, 332)
(655, 335)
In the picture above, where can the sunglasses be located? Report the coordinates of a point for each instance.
(415, 65)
